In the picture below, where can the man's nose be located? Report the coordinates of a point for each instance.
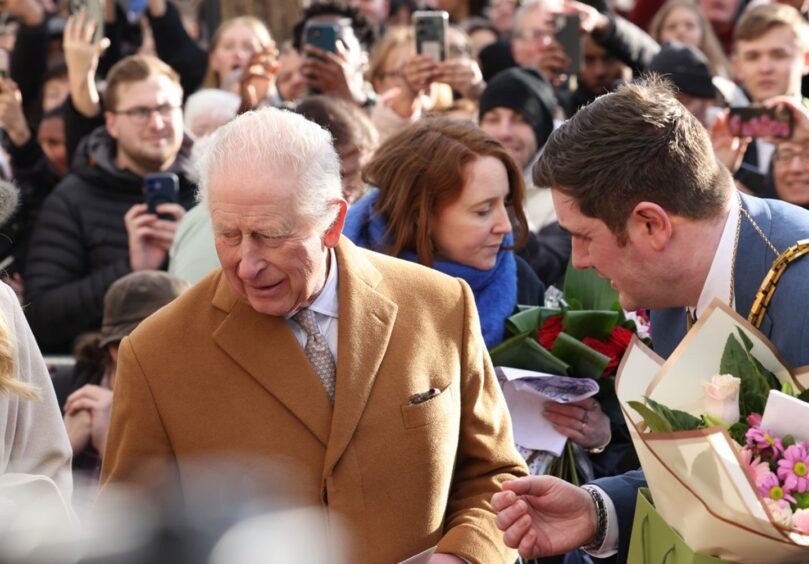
(580, 257)
(250, 262)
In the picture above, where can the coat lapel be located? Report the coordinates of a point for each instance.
(753, 257)
(265, 347)
(365, 326)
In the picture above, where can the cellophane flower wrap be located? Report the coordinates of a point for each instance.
(580, 332)
(730, 487)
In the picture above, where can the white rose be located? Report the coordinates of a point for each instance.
(722, 398)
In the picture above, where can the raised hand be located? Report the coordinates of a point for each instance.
(463, 75)
(543, 515)
(81, 58)
(12, 117)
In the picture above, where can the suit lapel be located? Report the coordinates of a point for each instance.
(365, 326)
(265, 347)
(753, 257)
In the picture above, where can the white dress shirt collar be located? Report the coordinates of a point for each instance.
(717, 283)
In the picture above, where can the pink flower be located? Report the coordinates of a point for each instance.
(800, 520)
(722, 398)
(793, 469)
(780, 511)
(771, 488)
(754, 420)
(764, 442)
(757, 469)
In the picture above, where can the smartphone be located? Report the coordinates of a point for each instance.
(569, 36)
(5, 63)
(161, 188)
(95, 13)
(431, 33)
(760, 122)
(322, 35)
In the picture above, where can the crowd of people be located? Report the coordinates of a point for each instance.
(281, 164)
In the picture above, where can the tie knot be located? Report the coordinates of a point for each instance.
(306, 319)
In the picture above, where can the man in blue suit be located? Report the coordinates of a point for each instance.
(636, 183)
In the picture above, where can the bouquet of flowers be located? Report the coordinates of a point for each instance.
(720, 434)
(582, 333)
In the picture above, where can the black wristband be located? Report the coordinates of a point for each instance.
(601, 519)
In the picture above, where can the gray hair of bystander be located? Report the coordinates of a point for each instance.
(272, 143)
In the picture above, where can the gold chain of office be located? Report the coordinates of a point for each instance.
(779, 266)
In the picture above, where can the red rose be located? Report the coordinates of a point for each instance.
(615, 347)
(549, 331)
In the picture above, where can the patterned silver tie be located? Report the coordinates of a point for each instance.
(317, 350)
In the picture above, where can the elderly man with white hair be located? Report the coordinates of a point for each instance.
(364, 375)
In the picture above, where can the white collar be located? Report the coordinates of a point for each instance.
(326, 301)
(717, 284)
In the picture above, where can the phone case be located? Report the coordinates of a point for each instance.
(568, 34)
(431, 32)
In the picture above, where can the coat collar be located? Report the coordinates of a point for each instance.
(366, 314)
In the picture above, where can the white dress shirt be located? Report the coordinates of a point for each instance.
(325, 308)
(717, 285)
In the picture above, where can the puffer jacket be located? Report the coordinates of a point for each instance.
(79, 245)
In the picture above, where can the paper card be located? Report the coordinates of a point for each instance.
(786, 415)
(527, 393)
(420, 558)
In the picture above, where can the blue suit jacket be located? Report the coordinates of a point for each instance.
(786, 323)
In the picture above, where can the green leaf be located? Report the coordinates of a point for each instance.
(801, 499)
(583, 360)
(589, 289)
(754, 389)
(655, 422)
(522, 351)
(712, 420)
(590, 323)
(679, 420)
(772, 381)
(738, 431)
(524, 321)
(788, 389)
(804, 395)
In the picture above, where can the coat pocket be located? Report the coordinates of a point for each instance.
(436, 408)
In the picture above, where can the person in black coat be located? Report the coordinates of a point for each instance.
(94, 227)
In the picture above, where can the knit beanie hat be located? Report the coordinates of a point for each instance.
(525, 92)
(686, 67)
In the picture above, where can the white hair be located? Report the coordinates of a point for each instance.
(210, 102)
(529, 6)
(271, 143)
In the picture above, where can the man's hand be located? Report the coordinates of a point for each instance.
(729, 150)
(96, 401)
(331, 73)
(78, 425)
(417, 73)
(554, 63)
(543, 515)
(12, 117)
(592, 21)
(81, 58)
(463, 75)
(800, 116)
(150, 237)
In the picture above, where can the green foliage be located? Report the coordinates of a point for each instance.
(737, 361)
(738, 431)
(522, 351)
(583, 360)
(597, 324)
(679, 420)
(655, 422)
(588, 289)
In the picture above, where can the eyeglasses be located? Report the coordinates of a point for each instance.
(142, 114)
(538, 35)
(785, 155)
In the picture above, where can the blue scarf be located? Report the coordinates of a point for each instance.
(495, 290)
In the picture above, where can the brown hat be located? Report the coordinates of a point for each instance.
(133, 298)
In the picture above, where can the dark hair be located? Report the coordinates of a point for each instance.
(760, 19)
(636, 144)
(362, 27)
(346, 122)
(423, 169)
(134, 69)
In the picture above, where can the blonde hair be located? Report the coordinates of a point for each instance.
(708, 43)
(760, 19)
(8, 367)
(256, 26)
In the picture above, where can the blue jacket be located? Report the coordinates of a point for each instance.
(786, 323)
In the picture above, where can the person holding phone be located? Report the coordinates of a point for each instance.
(94, 227)
(335, 39)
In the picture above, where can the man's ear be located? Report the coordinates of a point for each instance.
(332, 235)
(651, 225)
(111, 125)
